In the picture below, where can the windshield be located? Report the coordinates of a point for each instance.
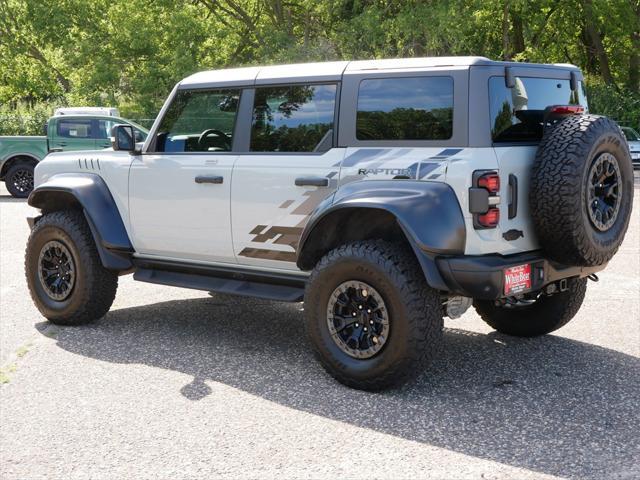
(517, 114)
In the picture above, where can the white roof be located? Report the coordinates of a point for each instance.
(107, 111)
(421, 62)
(327, 71)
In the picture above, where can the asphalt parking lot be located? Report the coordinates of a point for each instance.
(177, 384)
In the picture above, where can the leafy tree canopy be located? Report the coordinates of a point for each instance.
(129, 53)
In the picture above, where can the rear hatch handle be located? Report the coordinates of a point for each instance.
(513, 196)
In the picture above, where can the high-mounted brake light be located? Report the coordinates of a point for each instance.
(491, 182)
(567, 109)
(489, 219)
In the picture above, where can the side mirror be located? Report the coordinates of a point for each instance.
(123, 138)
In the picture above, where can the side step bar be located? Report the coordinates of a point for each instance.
(281, 287)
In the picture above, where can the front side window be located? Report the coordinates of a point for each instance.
(199, 121)
(517, 114)
(293, 118)
(74, 128)
(411, 108)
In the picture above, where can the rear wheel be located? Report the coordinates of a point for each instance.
(530, 318)
(19, 179)
(371, 318)
(66, 279)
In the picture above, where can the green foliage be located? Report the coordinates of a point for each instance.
(25, 119)
(130, 53)
(620, 104)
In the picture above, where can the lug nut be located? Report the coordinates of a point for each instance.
(357, 325)
(370, 322)
(368, 310)
(353, 314)
(360, 307)
(365, 329)
(364, 293)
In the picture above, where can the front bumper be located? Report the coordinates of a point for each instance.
(482, 276)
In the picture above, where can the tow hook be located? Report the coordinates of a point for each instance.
(593, 277)
(563, 285)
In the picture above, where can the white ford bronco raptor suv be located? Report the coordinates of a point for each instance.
(385, 194)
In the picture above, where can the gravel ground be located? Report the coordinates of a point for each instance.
(176, 384)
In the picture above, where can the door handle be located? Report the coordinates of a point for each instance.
(217, 179)
(62, 144)
(312, 181)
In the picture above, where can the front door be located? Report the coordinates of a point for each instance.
(179, 191)
(290, 168)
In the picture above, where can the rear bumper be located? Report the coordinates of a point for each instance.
(482, 276)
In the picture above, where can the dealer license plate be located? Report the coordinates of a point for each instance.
(517, 279)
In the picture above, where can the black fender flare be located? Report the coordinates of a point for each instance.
(92, 194)
(427, 212)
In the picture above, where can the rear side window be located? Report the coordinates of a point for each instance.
(412, 108)
(199, 121)
(293, 118)
(517, 114)
(74, 128)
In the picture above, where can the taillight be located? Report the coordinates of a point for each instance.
(484, 198)
(489, 219)
(567, 109)
(490, 181)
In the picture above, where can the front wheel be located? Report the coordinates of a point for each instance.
(65, 276)
(372, 320)
(530, 318)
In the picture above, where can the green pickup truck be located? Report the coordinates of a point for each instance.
(20, 154)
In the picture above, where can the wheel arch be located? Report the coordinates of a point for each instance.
(424, 215)
(13, 159)
(89, 193)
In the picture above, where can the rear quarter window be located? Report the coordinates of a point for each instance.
(517, 114)
(407, 108)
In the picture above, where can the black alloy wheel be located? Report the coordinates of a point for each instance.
(56, 270)
(605, 191)
(358, 319)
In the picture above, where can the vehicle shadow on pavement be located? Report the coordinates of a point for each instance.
(10, 199)
(521, 402)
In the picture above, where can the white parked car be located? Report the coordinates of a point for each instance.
(633, 138)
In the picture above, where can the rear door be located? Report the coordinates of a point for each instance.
(516, 119)
(291, 166)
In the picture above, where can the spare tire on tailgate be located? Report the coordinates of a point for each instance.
(582, 190)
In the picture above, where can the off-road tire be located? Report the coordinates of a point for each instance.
(559, 190)
(415, 313)
(545, 315)
(18, 168)
(95, 286)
